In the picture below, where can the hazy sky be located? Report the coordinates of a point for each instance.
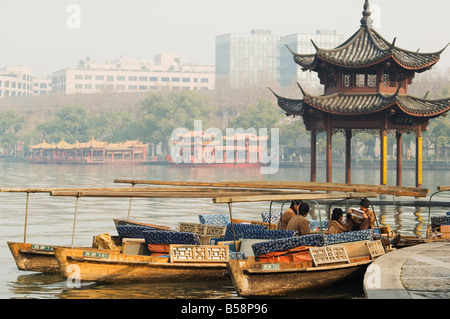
(43, 34)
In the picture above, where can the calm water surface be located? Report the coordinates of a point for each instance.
(50, 221)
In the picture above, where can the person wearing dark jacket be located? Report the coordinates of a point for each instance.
(336, 225)
(299, 222)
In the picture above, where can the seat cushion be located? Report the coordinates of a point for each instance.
(171, 237)
(132, 231)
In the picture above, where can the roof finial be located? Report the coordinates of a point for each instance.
(366, 20)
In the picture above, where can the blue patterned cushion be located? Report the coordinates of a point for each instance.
(315, 224)
(215, 219)
(232, 255)
(440, 220)
(171, 237)
(271, 217)
(350, 236)
(242, 231)
(284, 244)
(132, 231)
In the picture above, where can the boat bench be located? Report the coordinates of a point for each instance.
(271, 217)
(171, 237)
(214, 219)
(440, 220)
(318, 240)
(251, 231)
(132, 231)
(348, 237)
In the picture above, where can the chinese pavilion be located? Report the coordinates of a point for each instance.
(366, 82)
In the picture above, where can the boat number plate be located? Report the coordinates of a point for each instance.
(42, 247)
(94, 254)
(270, 266)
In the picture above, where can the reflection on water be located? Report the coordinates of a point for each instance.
(51, 220)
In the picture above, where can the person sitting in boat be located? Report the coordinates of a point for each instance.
(299, 222)
(288, 214)
(336, 224)
(361, 221)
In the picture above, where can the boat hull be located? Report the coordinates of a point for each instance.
(101, 266)
(31, 257)
(334, 264)
(292, 279)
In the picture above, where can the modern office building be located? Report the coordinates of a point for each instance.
(165, 73)
(245, 59)
(261, 57)
(304, 43)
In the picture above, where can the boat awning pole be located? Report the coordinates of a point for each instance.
(129, 206)
(232, 229)
(26, 218)
(75, 219)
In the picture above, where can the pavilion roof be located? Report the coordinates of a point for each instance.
(364, 48)
(43, 145)
(63, 145)
(93, 143)
(364, 103)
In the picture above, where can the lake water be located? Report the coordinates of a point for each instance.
(50, 221)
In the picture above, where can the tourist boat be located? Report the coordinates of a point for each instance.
(91, 152)
(292, 264)
(437, 227)
(198, 149)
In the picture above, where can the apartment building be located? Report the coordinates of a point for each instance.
(18, 80)
(165, 73)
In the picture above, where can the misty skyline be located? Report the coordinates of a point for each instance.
(46, 35)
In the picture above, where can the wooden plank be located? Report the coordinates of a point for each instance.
(443, 188)
(304, 196)
(168, 194)
(313, 186)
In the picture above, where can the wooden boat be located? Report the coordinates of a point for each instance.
(434, 232)
(321, 267)
(338, 263)
(108, 266)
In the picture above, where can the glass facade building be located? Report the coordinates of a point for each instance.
(245, 59)
(290, 72)
(261, 57)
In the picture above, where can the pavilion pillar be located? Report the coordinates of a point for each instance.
(329, 152)
(348, 156)
(419, 156)
(383, 154)
(313, 155)
(399, 158)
